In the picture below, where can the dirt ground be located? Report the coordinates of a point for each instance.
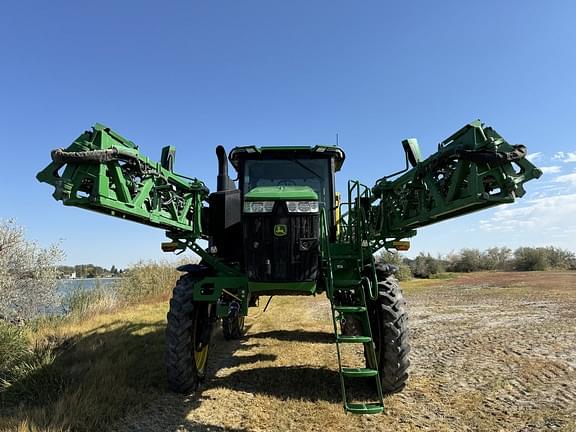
(490, 352)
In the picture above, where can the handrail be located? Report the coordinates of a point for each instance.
(325, 254)
(358, 232)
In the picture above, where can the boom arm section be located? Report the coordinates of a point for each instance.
(104, 172)
(473, 169)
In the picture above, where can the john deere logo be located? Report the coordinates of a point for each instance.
(280, 230)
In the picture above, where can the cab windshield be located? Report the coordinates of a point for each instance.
(313, 173)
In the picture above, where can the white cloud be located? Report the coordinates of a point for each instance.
(538, 217)
(533, 156)
(567, 178)
(565, 156)
(550, 169)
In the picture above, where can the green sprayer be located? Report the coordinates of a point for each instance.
(282, 229)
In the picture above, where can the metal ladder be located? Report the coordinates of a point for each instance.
(349, 250)
(360, 313)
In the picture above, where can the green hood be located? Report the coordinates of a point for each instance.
(282, 193)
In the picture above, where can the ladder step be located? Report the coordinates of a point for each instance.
(346, 283)
(350, 309)
(359, 372)
(354, 339)
(364, 408)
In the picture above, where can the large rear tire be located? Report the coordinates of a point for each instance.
(187, 337)
(389, 325)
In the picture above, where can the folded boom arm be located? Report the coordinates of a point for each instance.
(104, 172)
(473, 169)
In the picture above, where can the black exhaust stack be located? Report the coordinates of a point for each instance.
(224, 182)
(223, 221)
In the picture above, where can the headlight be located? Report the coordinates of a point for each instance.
(258, 206)
(302, 206)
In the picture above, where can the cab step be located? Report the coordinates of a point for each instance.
(359, 372)
(364, 408)
(350, 309)
(346, 283)
(353, 339)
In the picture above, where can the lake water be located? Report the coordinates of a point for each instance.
(66, 286)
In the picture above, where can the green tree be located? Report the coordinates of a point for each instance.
(404, 272)
(530, 259)
(497, 258)
(467, 260)
(425, 265)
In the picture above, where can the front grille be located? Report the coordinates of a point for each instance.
(273, 257)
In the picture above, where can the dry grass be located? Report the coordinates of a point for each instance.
(108, 365)
(148, 281)
(491, 352)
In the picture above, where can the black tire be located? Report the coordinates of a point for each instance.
(233, 328)
(187, 337)
(389, 325)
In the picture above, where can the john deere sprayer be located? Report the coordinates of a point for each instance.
(282, 229)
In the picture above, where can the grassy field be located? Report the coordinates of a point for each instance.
(491, 352)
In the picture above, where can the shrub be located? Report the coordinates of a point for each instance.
(543, 258)
(560, 259)
(497, 258)
(425, 265)
(502, 258)
(467, 260)
(528, 259)
(28, 274)
(394, 258)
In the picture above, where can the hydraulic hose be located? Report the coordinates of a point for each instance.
(92, 156)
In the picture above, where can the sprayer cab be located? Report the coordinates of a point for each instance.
(270, 222)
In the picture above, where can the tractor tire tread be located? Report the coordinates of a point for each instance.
(394, 359)
(180, 366)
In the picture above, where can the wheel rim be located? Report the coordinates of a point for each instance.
(200, 358)
(201, 355)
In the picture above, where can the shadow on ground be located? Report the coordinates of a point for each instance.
(284, 382)
(296, 336)
(118, 369)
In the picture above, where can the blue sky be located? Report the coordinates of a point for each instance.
(197, 74)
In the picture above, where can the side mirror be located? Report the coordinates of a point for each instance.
(412, 150)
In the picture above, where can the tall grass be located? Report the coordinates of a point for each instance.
(25, 367)
(142, 282)
(14, 351)
(83, 370)
(147, 280)
(81, 302)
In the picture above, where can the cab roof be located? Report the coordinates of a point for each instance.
(253, 152)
